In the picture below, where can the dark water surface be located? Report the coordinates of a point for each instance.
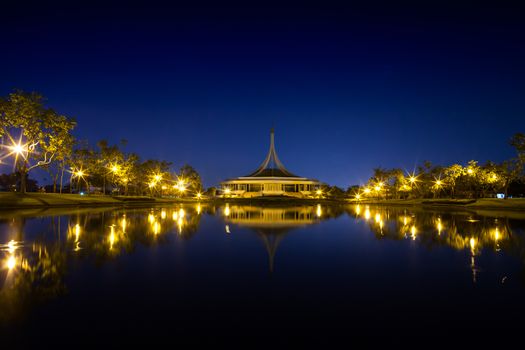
(198, 274)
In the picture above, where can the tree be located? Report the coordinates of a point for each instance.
(191, 177)
(35, 133)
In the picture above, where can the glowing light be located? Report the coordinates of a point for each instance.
(472, 243)
(439, 226)
(181, 213)
(151, 218)
(412, 179)
(470, 171)
(227, 211)
(319, 211)
(377, 188)
(198, 195)
(377, 218)
(180, 223)
(124, 224)
(319, 192)
(496, 234)
(367, 214)
(11, 246)
(115, 168)
(112, 237)
(357, 209)
(358, 196)
(175, 216)
(163, 214)
(367, 190)
(11, 262)
(151, 185)
(164, 187)
(227, 228)
(439, 183)
(227, 191)
(157, 177)
(77, 232)
(199, 209)
(156, 228)
(413, 232)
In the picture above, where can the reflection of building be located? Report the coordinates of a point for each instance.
(271, 224)
(272, 217)
(270, 179)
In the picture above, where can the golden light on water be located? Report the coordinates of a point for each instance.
(357, 209)
(367, 214)
(156, 228)
(11, 262)
(377, 218)
(413, 232)
(473, 244)
(319, 211)
(151, 218)
(227, 211)
(163, 214)
(112, 237)
(124, 224)
(181, 213)
(175, 216)
(199, 208)
(77, 232)
(11, 246)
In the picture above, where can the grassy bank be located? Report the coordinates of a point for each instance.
(12, 200)
(482, 203)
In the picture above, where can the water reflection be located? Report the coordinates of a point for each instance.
(271, 224)
(34, 262)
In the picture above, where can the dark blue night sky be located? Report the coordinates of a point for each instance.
(347, 88)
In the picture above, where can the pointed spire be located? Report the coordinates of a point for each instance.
(272, 166)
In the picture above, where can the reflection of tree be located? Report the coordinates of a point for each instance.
(40, 268)
(458, 230)
(36, 278)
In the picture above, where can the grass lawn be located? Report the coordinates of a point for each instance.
(13, 200)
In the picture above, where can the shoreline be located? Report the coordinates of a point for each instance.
(14, 201)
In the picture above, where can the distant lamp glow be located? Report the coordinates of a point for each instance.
(358, 196)
(367, 190)
(227, 191)
(470, 171)
(198, 195)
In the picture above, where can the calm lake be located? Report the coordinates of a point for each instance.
(204, 274)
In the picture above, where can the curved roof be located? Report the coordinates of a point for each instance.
(271, 166)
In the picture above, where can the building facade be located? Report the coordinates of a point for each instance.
(270, 179)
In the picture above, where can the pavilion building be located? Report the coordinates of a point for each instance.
(270, 179)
